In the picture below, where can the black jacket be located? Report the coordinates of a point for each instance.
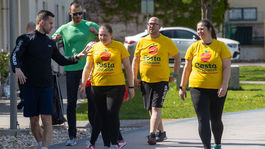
(33, 54)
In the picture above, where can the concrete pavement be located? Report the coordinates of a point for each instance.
(243, 130)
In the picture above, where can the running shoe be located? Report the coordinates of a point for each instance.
(90, 147)
(70, 142)
(207, 147)
(151, 139)
(20, 105)
(122, 143)
(217, 146)
(114, 147)
(161, 136)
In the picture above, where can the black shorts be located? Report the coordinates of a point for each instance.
(154, 94)
(38, 101)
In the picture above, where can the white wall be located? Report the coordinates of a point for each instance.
(28, 11)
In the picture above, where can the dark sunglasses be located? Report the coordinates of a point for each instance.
(77, 13)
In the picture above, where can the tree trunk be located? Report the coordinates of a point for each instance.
(206, 9)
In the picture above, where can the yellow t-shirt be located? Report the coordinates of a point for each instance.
(107, 67)
(154, 55)
(207, 66)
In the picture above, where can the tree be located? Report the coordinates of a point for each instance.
(206, 9)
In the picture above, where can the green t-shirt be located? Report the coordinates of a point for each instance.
(75, 39)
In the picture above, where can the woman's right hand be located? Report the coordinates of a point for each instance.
(182, 94)
(137, 83)
(131, 93)
(82, 89)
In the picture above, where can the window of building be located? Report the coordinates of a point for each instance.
(238, 14)
(44, 5)
(250, 13)
(56, 16)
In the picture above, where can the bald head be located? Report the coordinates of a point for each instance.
(156, 20)
(153, 27)
(30, 27)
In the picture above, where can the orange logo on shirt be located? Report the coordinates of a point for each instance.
(153, 49)
(205, 56)
(105, 56)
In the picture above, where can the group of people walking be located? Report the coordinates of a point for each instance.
(207, 69)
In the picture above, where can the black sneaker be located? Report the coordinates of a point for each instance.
(161, 136)
(151, 139)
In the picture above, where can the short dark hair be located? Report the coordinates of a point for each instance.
(76, 4)
(108, 27)
(43, 15)
(209, 26)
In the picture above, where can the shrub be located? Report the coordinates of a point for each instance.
(4, 67)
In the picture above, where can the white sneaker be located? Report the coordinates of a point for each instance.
(114, 147)
(70, 142)
(122, 143)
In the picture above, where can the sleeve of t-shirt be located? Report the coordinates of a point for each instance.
(173, 50)
(138, 48)
(225, 52)
(90, 24)
(124, 52)
(90, 55)
(189, 53)
(95, 25)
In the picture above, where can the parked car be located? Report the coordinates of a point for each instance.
(183, 37)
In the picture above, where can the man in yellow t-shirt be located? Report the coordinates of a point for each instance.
(151, 57)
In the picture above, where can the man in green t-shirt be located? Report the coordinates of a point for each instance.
(75, 35)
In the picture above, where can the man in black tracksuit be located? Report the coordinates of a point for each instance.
(31, 61)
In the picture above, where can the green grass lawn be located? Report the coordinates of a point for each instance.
(251, 96)
(252, 73)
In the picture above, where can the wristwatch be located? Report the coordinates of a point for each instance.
(174, 75)
(76, 57)
(182, 87)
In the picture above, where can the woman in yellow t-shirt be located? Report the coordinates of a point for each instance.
(108, 82)
(207, 68)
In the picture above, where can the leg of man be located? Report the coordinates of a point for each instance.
(72, 83)
(160, 126)
(35, 128)
(47, 133)
(155, 119)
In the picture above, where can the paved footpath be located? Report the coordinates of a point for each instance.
(243, 130)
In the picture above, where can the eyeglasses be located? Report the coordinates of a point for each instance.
(152, 24)
(77, 13)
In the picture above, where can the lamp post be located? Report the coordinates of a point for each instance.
(13, 97)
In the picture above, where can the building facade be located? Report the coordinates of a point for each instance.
(244, 22)
(26, 11)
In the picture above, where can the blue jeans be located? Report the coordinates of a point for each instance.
(72, 83)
